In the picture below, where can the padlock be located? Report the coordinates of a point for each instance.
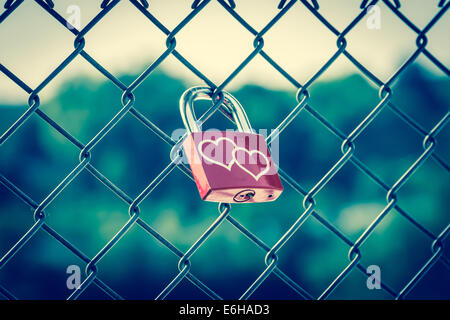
(228, 166)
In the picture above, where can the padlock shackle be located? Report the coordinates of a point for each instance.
(204, 93)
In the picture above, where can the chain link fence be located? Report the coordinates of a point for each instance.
(225, 215)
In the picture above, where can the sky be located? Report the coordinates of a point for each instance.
(33, 43)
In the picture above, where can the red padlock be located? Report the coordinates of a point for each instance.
(228, 166)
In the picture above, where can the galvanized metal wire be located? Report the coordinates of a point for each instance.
(306, 211)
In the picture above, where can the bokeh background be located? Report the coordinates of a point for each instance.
(36, 158)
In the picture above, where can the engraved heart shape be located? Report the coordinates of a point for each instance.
(251, 154)
(217, 158)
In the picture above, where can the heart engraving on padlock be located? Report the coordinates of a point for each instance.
(216, 143)
(251, 153)
(236, 149)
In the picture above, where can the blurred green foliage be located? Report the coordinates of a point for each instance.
(88, 214)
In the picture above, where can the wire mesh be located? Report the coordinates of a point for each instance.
(307, 211)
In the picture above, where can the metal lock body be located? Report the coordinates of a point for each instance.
(228, 166)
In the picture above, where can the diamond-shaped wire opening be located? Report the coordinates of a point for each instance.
(223, 273)
(30, 32)
(383, 154)
(95, 213)
(344, 109)
(119, 161)
(139, 275)
(324, 149)
(313, 269)
(315, 43)
(124, 41)
(423, 87)
(43, 165)
(351, 212)
(384, 53)
(425, 192)
(204, 42)
(393, 242)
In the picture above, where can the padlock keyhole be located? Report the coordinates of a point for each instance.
(244, 195)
